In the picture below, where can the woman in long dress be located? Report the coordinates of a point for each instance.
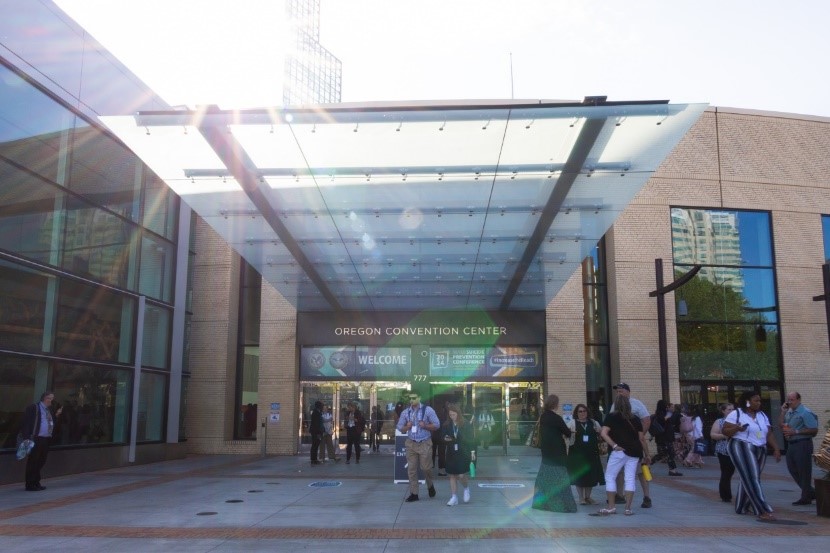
(553, 485)
(584, 464)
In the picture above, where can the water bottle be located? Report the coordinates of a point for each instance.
(646, 472)
(472, 469)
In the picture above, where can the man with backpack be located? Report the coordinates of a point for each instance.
(418, 422)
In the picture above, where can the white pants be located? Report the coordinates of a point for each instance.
(616, 462)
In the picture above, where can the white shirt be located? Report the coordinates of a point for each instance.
(756, 432)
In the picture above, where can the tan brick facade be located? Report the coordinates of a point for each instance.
(730, 158)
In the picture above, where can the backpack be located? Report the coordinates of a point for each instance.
(656, 427)
(686, 424)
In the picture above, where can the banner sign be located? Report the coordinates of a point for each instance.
(464, 364)
(355, 363)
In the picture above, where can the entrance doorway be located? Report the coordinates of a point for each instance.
(707, 395)
(337, 395)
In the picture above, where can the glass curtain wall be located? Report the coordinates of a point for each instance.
(84, 229)
(728, 332)
(597, 358)
(247, 360)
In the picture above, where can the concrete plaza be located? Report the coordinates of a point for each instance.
(253, 503)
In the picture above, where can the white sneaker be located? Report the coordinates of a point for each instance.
(453, 501)
(466, 495)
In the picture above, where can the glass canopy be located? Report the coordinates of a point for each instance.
(410, 207)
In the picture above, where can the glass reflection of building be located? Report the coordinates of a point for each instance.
(88, 235)
(729, 326)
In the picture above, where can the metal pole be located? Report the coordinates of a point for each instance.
(264, 436)
(139, 341)
(825, 273)
(661, 330)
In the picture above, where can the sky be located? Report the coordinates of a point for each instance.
(761, 54)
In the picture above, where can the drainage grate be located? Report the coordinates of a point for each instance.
(233, 501)
(206, 513)
(325, 484)
(255, 491)
(499, 485)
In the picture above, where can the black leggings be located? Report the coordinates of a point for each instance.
(666, 450)
(727, 469)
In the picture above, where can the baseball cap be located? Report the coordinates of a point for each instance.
(623, 385)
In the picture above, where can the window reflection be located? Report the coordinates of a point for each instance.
(728, 327)
(98, 245)
(151, 405)
(18, 391)
(718, 237)
(23, 294)
(95, 404)
(33, 128)
(94, 323)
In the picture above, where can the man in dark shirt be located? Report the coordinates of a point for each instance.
(316, 430)
(38, 426)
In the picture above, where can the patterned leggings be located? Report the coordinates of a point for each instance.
(749, 461)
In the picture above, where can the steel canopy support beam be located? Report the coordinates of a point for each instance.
(232, 154)
(576, 161)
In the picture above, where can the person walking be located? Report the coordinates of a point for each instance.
(459, 440)
(622, 430)
(38, 425)
(418, 422)
(639, 410)
(727, 469)
(552, 491)
(584, 464)
(316, 430)
(485, 428)
(374, 431)
(662, 428)
(799, 425)
(748, 428)
(695, 437)
(354, 424)
(328, 436)
(439, 448)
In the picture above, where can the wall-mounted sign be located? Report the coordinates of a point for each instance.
(355, 363)
(499, 363)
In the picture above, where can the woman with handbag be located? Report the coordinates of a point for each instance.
(694, 459)
(623, 432)
(748, 430)
(727, 469)
(553, 485)
(584, 464)
(662, 428)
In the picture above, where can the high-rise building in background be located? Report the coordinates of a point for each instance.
(312, 74)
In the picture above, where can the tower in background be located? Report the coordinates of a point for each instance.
(312, 74)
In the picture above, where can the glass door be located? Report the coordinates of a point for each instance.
(359, 394)
(489, 401)
(523, 408)
(388, 396)
(311, 393)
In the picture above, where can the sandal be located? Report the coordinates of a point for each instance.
(766, 517)
(628, 512)
(584, 502)
(606, 512)
(589, 501)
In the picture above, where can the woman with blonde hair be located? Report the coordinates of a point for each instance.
(459, 440)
